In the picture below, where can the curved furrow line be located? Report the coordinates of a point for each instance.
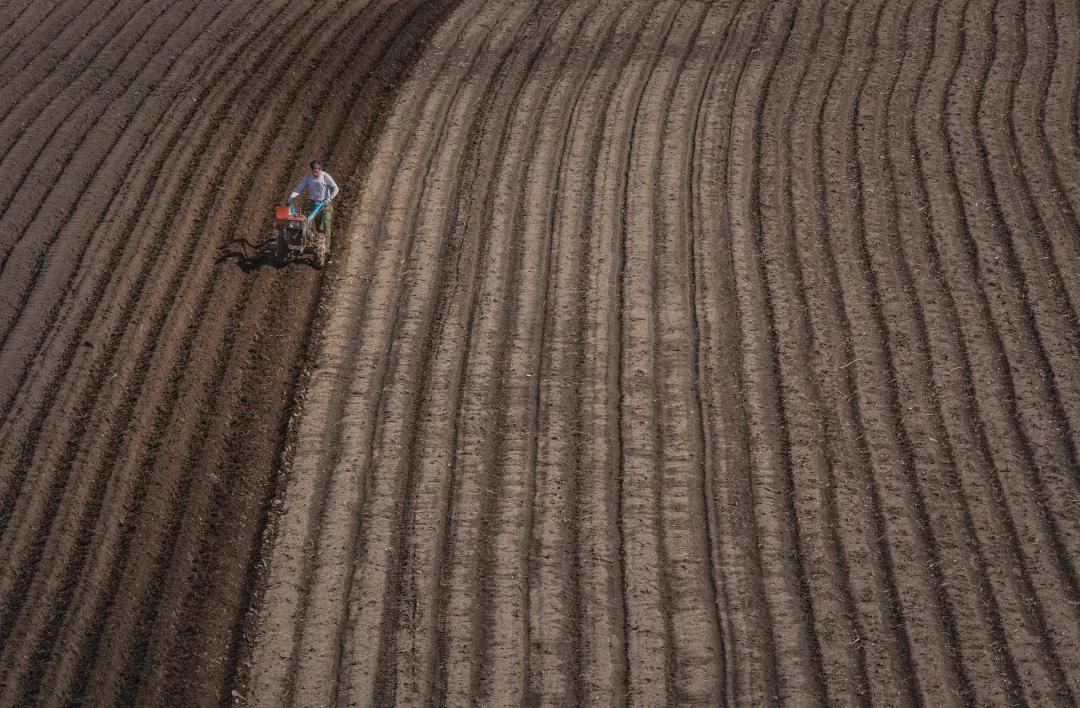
(49, 62)
(952, 212)
(510, 639)
(1059, 104)
(420, 567)
(743, 604)
(369, 102)
(524, 66)
(1056, 225)
(586, 277)
(505, 642)
(1033, 409)
(71, 110)
(239, 317)
(690, 590)
(112, 334)
(329, 602)
(187, 242)
(28, 37)
(248, 317)
(27, 450)
(407, 301)
(11, 11)
(929, 620)
(561, 589)
(698, 325)
(1073, 123)
(102, 218)
(458, 637)
(37, 275)
(113, 436)
(111, 245)
(608, 659)
(883, 636)
(866, 561)
(242, 410)
(104, 258)
(460, 611)
(958, 565)
(949, 482)
(40, 260)
(417, 328)
(1024, 290)
(990, 523)
(768, 429)
(280, 619)
(810, 484)
(648, 627)
(108, 342)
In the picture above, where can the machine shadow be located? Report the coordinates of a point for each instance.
(248, 256)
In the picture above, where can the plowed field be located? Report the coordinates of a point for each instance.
(670, 352)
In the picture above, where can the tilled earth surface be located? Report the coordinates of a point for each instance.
(670, 352)
(149, 351)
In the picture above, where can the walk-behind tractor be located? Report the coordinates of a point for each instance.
(297, 235)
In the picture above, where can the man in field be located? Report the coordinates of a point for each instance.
(319, 185)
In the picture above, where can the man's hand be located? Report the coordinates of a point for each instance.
(294, 195)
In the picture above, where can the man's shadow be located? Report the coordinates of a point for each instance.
(249, 256)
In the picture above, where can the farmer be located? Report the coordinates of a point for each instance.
(319, 185)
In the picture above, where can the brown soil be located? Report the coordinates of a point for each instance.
(150, 352)
(670, 352)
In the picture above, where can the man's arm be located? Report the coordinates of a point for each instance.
(332, 185)
(298, 190)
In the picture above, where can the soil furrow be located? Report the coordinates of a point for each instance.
(509, 643)
(957, 564)
(415, 329)
(30, 36)
(1059, 104)
(880, 635)
(689, 352)
(246, 319)
(983, 346)
(743, 600)
(274, 682)
(112, 244)
(27, 446)
(422, 222)
(40, 261)
(264, 207)
(811, 482)
(123, 216)
(650, 655)
(929, 620)
(694, 626)
(965, 442)
(1023, 288)
(114, 437)
(479, 438)
(418, 630)
(784, 576)
(562, 585)
(58, 129)
(43, 84)
(1044, 190)
(344, 147)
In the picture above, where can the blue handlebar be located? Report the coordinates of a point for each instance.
(318, 207)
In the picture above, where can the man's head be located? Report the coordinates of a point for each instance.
(316, 167)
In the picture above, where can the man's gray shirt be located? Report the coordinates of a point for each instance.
(318, 187)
